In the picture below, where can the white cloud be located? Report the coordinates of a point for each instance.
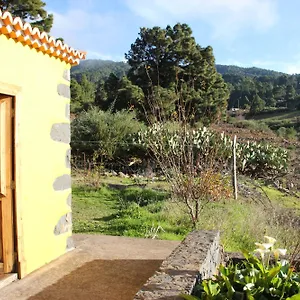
(293, 68)
(89, 31)
(227, 17)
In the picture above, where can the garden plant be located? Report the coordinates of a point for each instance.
(263, 274)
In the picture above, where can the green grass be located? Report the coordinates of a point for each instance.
(128, 212)
(144, 212)
(243, 223)
(276, 120)
(283, 200)
(251, 125)
(274, 116)
(90, 208)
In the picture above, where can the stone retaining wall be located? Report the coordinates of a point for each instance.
(198, 255)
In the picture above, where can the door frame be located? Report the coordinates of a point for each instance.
(16, 93)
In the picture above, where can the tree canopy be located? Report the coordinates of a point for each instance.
(31, 11)
(171, 60)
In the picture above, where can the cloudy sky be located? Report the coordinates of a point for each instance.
(261, 33)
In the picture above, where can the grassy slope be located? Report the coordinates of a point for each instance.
(280, 119)
(146, 212)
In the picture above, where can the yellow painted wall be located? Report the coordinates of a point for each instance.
(40, 160)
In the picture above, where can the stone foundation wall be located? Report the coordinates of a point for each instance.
(198, 255)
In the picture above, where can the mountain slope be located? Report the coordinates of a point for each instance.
(97, 69)
(253, 71)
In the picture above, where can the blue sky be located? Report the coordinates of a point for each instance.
(261, 33)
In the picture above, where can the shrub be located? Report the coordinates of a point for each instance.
(104, 134)
(192, 161)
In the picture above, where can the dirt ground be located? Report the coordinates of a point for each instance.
(101, 267)
(101, 279)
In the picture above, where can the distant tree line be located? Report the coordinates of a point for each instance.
(106, 83)
(259, 92)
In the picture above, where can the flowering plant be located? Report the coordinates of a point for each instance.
(262, 276)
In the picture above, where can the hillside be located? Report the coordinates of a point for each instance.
(253, 71)
(97, 69)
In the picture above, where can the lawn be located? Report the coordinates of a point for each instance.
(118, 207)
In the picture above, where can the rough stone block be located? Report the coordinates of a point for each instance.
(198, 255)
(60, 132)
(67, 111)
(62, 182)
(69, 200)
(64, 224)
(66, 75)
(68, 159)
(64, 90)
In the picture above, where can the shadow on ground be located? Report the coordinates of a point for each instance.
(102, 279)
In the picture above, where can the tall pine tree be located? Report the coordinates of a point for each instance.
(171, 59)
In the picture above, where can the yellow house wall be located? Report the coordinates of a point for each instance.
(43, 188)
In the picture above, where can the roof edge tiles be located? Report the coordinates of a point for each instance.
(22, 32)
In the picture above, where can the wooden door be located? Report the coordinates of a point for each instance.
(6, 184)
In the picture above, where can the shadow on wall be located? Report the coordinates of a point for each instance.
(102, 279)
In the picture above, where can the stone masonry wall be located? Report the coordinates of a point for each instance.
(198, 254)
(60, 132)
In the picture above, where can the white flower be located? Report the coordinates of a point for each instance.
(278, 252)
(264, 246)
(281, 251)
(262, 252)
(248, 286)
(284, 262)
(270, 240)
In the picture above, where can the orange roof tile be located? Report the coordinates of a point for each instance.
(22, 32)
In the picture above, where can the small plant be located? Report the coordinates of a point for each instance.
(153, 232)
(265, 276)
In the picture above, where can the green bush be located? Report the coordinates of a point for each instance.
(104, 135)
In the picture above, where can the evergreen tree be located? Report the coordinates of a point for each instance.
(257, 105)
(290, 95)
(82, 94)
(76, 96)
(30, 11)
(171, 59)
(101, 95)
